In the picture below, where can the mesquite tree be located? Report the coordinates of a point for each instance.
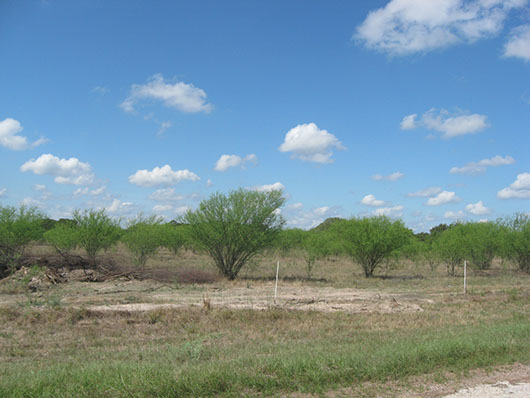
(234, 228)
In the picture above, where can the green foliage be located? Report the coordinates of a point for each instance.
(234, 228)
(96, 230)
(18, 227)
(143, 237)
(64, 237)
(438, 230)
(370, 240)
(451, 247)
(515, 239)
(289, 239)
(482, 243)
(314, 248)
(175, 237)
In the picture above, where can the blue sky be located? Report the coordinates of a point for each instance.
(409, 108)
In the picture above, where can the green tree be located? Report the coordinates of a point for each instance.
(236, 227)
(315, 247)
(515, 239)
(63, 237)
(18, 227)
(175, 237)
(143, 237)
(371, 240)
(96, 230)
(482, 243)
(452, 247)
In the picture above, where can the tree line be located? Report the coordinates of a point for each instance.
(234, 228)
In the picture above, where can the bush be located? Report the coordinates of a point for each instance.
(143, 237)
(63, 237)
(482, 243)
(515, 239)
(370, 240)
(96, 230)
(236, 227)
(175, 237)
(451, 247)
(18, 227)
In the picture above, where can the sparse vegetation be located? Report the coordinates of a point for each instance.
(95, 230)
(143, 237)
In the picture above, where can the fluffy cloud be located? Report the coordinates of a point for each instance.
(309, 143)
(166, 195)
(66, 171)
(450, 125)
(299, 218)
(227, 161)
(391, 177)
(9, 138)
(182, 96)
(425, 193)
(480, 166)
(443, 198)
(455, 215)
(518, 44)
(161, 176)
(117, 206)
(394, 211)
(405, 27)
(87, 191)
(370, 200)
(520, 189)
(277, 186)
(477, 208)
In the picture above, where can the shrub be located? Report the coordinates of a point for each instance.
(63, 237)
(482, 243)
(236, 227)
(18, 227)
(143, 237)
(174, 237)
(515, 239)
(96, 230)
(370, 240)
(451, 247)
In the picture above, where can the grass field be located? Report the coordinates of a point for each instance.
(338, 331)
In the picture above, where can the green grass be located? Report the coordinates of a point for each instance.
(206, 366)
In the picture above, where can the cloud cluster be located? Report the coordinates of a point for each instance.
(477, 208)
(425, 193)
(391, 177)
(479, 167)
(405, 27)
(161, 176)
(66, 171)
(9, 137)
(518, 44)
(92, 192)
(450, 125)
(442, 198)
(119, 207)
(370, 200)
(455, 215)
(308, 142)
(182, 96)
(227, 161)
(520, 189)
(277, 186)
(394, 211)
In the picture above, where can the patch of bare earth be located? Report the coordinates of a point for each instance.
(324, 299)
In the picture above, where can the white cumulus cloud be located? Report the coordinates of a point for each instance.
(450, 125)
(277, 186)
(370, 200)
(182, 96)
(477, 208)
(518, 44)
(405, 27)
(394, 211)
(425, 193)
(308, 142)
(520, 189)
(66, 171)
(455, 215)
(480, 166)
(117, 206)
(442, 198)
(409, 122)
(161, 176)
(391, 177)
(9, 137)
(227, 161)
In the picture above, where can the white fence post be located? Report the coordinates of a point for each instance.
(276, 286)
(465, 277)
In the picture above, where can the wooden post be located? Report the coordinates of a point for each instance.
(276, 286)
